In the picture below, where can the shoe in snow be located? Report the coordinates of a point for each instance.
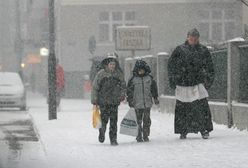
(139, 139)
(205, 135)
(101, 138)
(146, 139)
(114, 143)
(183, 136)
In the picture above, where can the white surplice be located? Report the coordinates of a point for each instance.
(191, 93)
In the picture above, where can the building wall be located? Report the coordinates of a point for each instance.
(245, 18)
(169, 24)
(8, 57)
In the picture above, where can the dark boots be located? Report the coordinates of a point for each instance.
(204, 134)
(101, 136)
(114, 143)
(183, 136)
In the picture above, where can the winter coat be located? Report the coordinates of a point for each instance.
(190, 66)
(60, 79)
(141, 89)
(108, 88)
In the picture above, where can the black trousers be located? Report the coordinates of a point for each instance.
(109, 112)
(143, 116)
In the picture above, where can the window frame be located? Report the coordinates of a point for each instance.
(111, 22)
(211, 20)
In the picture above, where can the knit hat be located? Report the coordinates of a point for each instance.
(110, 58)
(193, 32)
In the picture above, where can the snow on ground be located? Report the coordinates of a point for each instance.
(19, 147)
(71, 141)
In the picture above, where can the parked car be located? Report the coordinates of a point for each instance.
(12, 91)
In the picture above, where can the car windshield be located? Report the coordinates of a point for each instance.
(10, 79)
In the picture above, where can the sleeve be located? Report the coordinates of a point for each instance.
(130, 91)
(123, 85)
(154, 89)
(95, 89)
(209, 70)
(172, 69)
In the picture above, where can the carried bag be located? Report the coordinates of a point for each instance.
(129, 125)
(96, 119)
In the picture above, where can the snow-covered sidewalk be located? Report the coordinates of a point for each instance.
(71, 141)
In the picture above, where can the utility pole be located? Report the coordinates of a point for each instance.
(52, 109)
(18, 42)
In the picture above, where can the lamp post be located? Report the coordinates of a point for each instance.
(52, 109)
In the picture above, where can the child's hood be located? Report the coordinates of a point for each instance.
(140, 64)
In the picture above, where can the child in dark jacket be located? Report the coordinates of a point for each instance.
(141, 91)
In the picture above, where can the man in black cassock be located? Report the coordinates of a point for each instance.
(191, 74)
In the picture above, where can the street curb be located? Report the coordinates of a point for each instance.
(36, 130)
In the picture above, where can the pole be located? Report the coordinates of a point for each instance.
(19, 41)
(52, 109)
(229, 86)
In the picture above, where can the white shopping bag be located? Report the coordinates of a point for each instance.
(129, 124)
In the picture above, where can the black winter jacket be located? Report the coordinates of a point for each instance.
(190, 66)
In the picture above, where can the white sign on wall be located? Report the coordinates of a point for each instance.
(133, 38)
(44, 52)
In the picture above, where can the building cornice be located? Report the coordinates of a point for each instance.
(125, 2)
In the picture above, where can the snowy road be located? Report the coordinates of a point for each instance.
(71, 141)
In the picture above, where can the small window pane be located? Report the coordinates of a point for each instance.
(204, 31)
(103, 32)
(203, 15)
(114, 30)
(229, 14)
(104, 16)
(217, 14)
(117, 16)
(130, 16)
(217, 32)
(230, 30)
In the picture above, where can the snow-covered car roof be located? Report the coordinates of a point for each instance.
(10, 78)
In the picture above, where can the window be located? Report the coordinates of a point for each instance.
(217, 25)
(217, 15)
(204, 30)
(229, 14)
(130, 15)
(229, 29)
(217, 31)
(104, 16)
(109, 21)
(117, 16)
(103, 32)
(114, 30)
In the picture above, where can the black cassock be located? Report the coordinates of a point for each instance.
(190, 66)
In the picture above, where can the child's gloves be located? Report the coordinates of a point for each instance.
(156, 101)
